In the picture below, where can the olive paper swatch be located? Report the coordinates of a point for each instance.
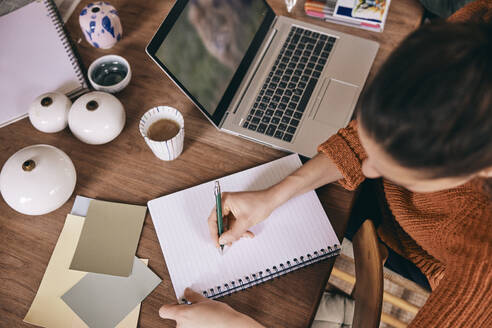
(109, 238)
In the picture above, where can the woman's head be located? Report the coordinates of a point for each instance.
(426, 118)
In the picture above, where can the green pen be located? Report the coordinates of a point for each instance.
(218, 207)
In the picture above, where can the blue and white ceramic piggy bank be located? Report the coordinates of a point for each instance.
(101, 24)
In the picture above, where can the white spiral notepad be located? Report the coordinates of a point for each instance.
(35, 57)
(296, 234)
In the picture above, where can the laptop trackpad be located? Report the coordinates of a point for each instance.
(337, 103)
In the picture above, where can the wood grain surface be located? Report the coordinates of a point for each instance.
(125, 170)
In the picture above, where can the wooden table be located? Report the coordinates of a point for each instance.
(126, 171)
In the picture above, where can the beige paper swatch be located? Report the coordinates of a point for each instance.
(109, 238)
(48, 309)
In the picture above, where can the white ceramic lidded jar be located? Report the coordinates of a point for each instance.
(100, 24)
(37, 179)
(96, 118)
(49, 112)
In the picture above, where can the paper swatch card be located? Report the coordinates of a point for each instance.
(48, 309)
(103, 300)
(109, 238)
(81, 205)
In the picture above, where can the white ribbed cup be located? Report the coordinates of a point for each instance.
(169, 149)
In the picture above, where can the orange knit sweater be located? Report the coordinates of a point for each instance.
(478, 11)
(446, 234)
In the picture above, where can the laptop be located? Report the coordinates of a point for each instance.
(271, 79)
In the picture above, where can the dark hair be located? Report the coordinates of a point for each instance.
(430, 105)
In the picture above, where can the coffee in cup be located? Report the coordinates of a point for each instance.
(163, 129)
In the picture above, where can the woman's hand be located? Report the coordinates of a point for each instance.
(241, 211)
(205, 313)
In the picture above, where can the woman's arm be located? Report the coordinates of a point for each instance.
(317, 172)
(339, 158)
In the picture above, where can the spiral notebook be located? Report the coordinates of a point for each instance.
(35, 57)
(296, 234)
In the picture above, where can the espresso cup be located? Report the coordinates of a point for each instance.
(110, 73)
(162, 128)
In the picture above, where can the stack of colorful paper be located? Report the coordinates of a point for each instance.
(318, 9)
(365, 14)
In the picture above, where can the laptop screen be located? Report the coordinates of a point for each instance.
(203, 45)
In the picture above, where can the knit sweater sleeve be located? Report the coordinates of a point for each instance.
(346, 151)
(476, 11)
(463, 297)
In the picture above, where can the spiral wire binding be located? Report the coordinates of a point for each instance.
(270, 273)
(55, 17)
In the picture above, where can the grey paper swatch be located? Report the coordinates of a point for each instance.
(81, 206)
(102, 301)
(109, 238)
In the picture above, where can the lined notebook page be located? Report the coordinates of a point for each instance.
(35, 58)
(295, 229)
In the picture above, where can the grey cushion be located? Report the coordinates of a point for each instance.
(334, 311)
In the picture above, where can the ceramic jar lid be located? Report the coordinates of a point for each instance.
(96, 118)
(49, 112)
(37, 179)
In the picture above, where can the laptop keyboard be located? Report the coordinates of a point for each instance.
(282, 100)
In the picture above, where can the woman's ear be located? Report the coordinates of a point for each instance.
(486, 173)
